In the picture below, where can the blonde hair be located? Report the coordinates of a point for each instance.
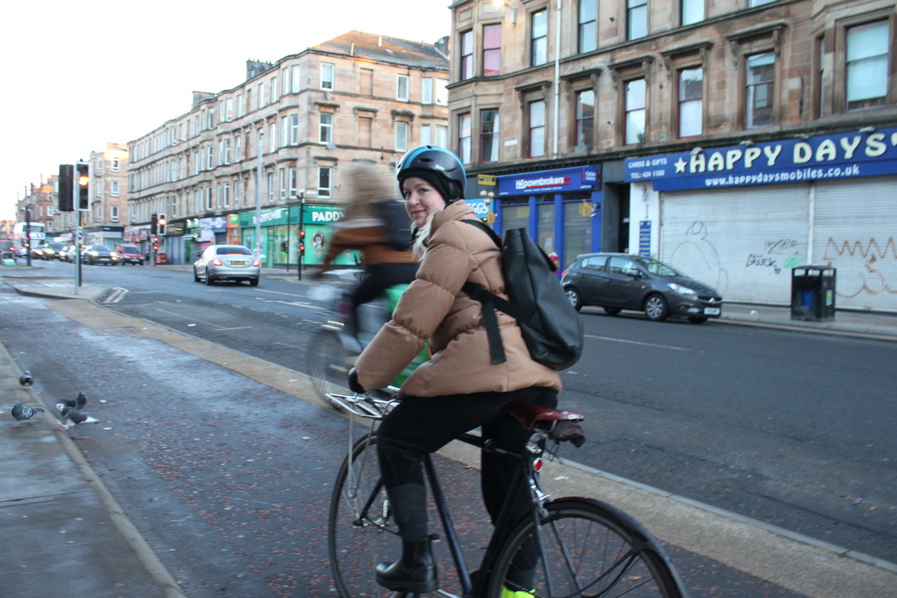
(422, 235)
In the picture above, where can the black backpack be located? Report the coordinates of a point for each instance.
(396, 223)
(549, 323)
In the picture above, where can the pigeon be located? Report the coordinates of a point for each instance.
(26, 379)
(77, 403)
(22, 413)
(73, 416)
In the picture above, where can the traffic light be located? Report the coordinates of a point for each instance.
(160, 225)
(155, 243)
(65, 198)
(301, 243)
(83, 185)
(153, 224)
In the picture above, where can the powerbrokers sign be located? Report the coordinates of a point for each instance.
(840, 156)
(549, 181)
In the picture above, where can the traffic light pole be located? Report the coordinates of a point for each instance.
(301, 235)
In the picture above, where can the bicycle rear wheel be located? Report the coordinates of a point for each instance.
(360, 529)
(588, 548)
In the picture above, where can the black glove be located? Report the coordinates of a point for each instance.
(354, 386)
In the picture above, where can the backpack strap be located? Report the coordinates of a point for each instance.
(489, 302)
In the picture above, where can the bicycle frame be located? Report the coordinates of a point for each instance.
(374, 408)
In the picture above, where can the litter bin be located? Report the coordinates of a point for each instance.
(161, 258)
(813, 293)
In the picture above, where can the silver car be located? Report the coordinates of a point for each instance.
(227, 262)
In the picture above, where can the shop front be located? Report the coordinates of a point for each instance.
(280, 234)
(741, 218)
(561, 209)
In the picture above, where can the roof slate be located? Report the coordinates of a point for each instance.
(385, 49)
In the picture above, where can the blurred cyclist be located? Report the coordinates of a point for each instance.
(362, 227)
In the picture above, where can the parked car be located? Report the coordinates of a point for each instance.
(127, 254)
(97, 254)
(227, 262)
(50, 251)
(617, 281)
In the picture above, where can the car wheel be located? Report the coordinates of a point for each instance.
(253, 282)
(209, 280)
(656, 308)
(574, 297)
(612, 311)
(697, 319)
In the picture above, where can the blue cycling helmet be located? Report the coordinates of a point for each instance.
(439, 167)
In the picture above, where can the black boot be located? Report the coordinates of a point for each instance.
(415, 572)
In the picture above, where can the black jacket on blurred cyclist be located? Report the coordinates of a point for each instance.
(362, 228)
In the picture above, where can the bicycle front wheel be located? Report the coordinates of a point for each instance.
(583, 547)
(328, 363)
(360, 529)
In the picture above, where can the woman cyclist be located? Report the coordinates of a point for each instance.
(459, 388)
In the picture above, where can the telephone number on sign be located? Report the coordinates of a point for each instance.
(648, 174)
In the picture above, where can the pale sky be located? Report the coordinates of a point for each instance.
(77, 75)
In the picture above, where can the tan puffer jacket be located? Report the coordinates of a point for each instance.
(435, 308)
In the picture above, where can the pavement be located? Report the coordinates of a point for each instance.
(65, 534)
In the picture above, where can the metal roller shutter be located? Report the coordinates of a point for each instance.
(856, 232)
(742, 241)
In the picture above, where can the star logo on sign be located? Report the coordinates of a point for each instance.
(680, 165)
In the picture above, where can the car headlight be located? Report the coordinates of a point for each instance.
(678, 288)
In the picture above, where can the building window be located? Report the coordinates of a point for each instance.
(464, 137)
(867, 66)
(225, 190)
(691, 11)
(585, 119)
(759, 90)
(426, 90)
(283, 183)
(327, 76)
(260, 96)
(691, 102)
(114, 188)
(270, 178)
(295, 80)
(402, 85)
(292, 181)
(401, 136)
(539, 38)
(441, 136)
(237, 193)
(113, 213)
(426, 134)
(635, 112)
(588, 25)
(294, 129)
(324, 173)
(227, 150)
(273, 86)
(536, 129)
(491, 50)
(489, 135)
(116, 165)
(284, 81)
(466, 55)
(820, 97)
(636, 19)
(753, 3)
(283, 131)
(441, 92)
(326, 130)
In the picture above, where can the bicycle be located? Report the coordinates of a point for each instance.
(334, 349)
(572, 546)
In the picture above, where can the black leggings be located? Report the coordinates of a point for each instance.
(421, 425)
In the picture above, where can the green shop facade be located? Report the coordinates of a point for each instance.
(280, 233)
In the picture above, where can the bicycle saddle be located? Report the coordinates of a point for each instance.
(529, 415)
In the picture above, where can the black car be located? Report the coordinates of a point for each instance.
(50, 251)
(97, 254)
(618, 281)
